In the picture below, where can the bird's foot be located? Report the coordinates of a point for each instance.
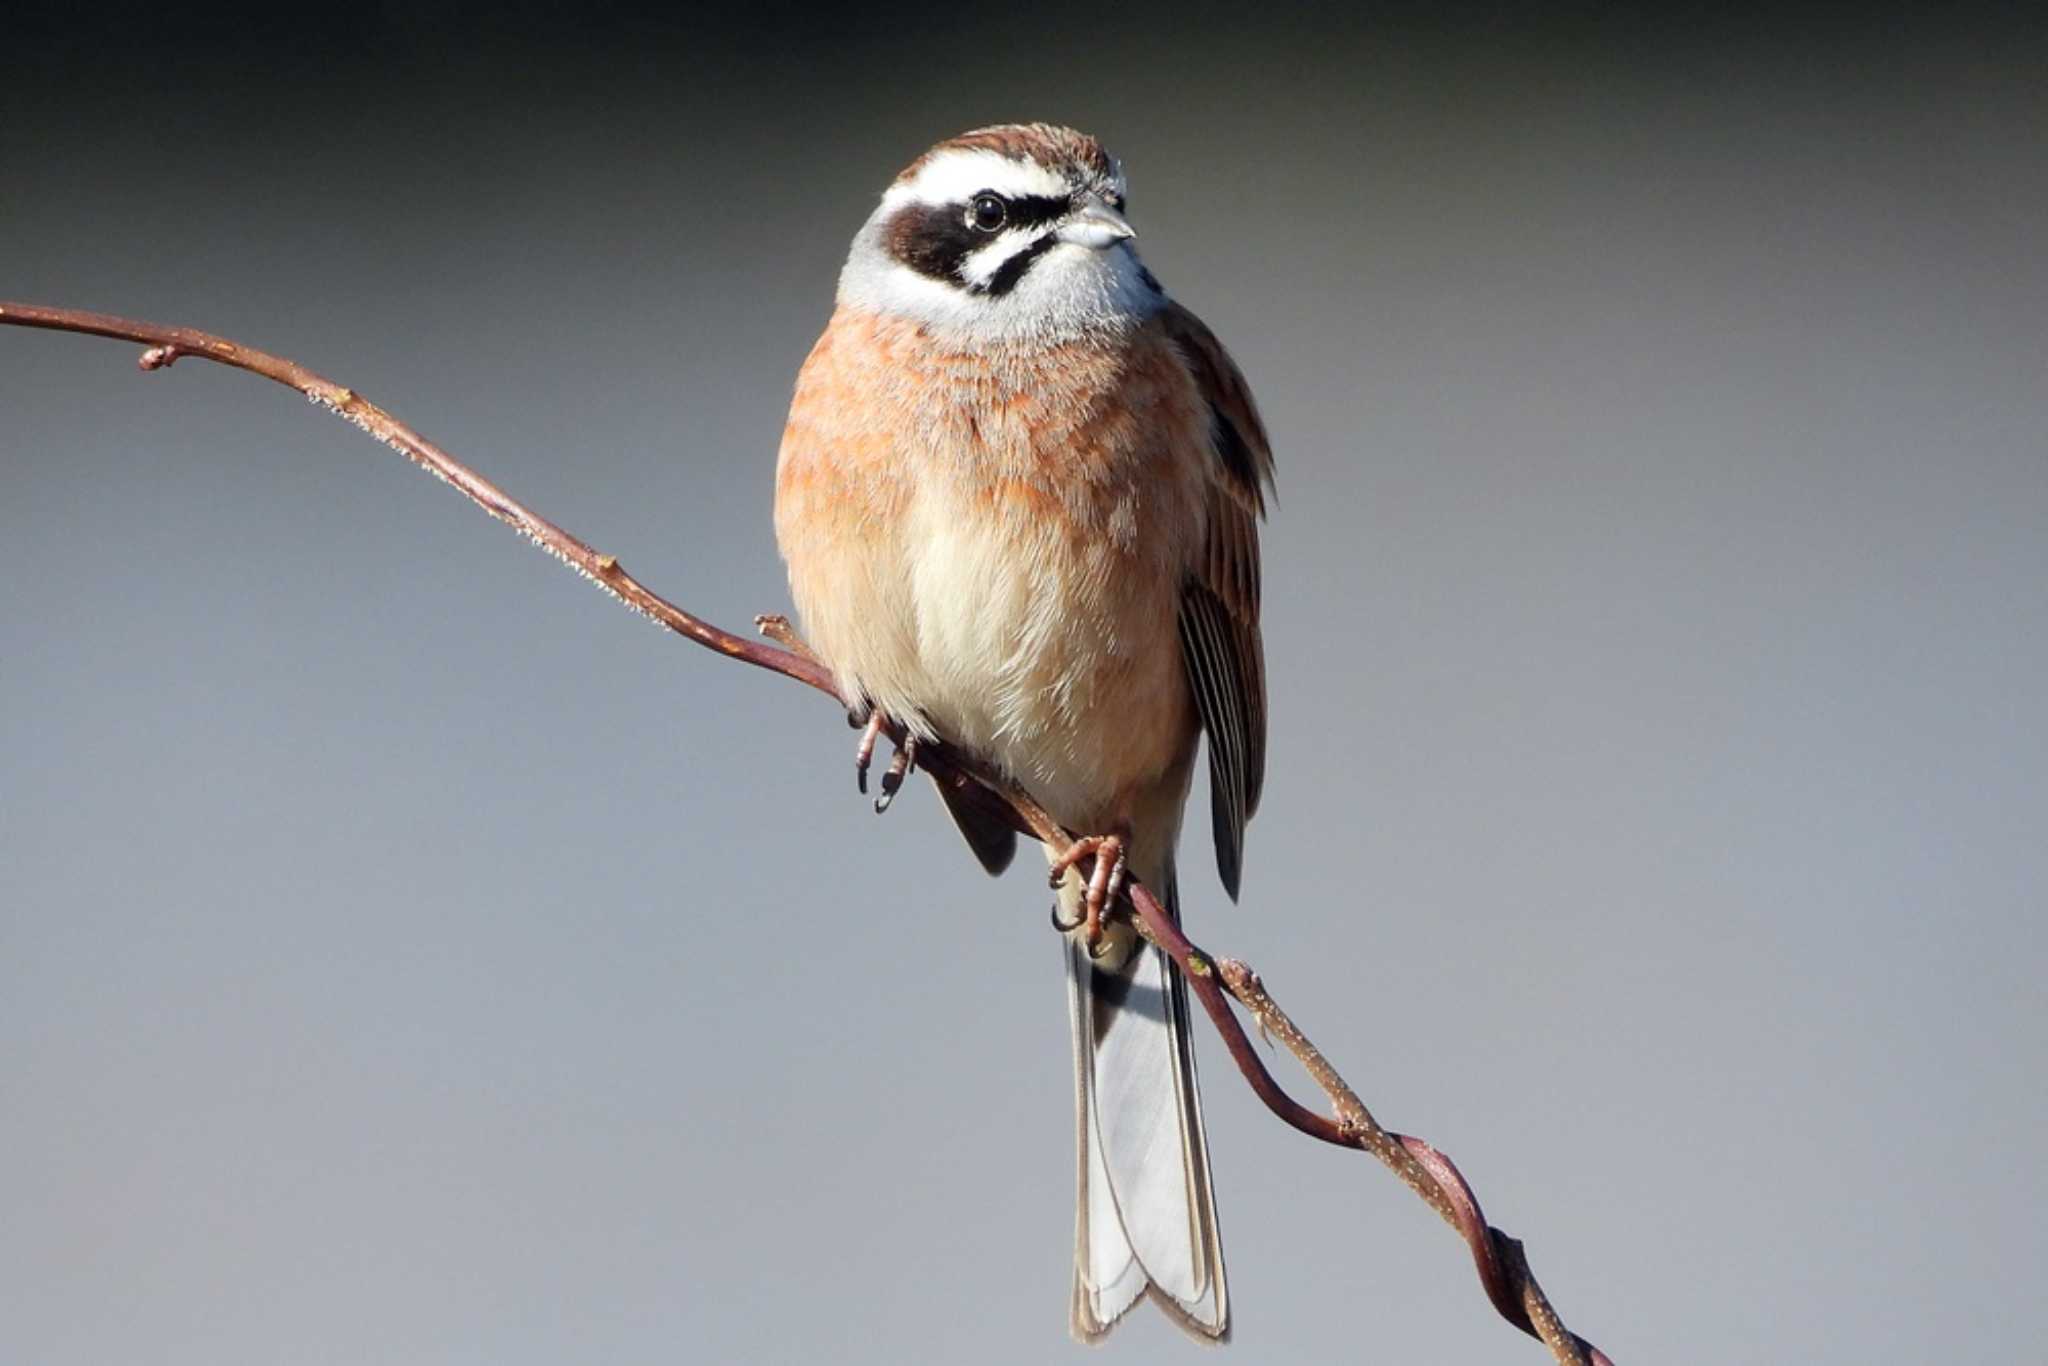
(900, 767)
(1105, 883)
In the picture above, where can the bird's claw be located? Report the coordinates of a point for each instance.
(872, 723)
(900, 767)
(1105, 885)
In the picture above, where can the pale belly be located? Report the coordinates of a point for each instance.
(1054, 654)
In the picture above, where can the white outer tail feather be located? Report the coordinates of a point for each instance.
(1146, 1212)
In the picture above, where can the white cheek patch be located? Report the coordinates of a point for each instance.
(955, 177)
(981, 264)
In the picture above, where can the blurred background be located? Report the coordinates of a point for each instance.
(407, 956)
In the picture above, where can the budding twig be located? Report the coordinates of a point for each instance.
(1503, 1269)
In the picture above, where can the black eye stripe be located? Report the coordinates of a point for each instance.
(1036, 210)
(932, 239)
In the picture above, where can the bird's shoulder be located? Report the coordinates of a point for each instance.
(1242, 450)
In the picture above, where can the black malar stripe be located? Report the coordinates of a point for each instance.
(1011, 271)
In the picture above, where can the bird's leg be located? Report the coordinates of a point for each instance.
(872, 722)
(864, 753)
(1105, 880)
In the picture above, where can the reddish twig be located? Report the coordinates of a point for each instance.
(1503, 1270)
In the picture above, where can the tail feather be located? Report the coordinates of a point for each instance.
(1146, 1211)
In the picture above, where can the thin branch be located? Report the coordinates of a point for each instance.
(1503, 1269)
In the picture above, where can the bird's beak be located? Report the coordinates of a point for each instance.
(1097, 226)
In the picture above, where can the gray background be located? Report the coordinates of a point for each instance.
(408, 957)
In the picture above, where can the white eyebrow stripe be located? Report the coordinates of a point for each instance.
(953, 177)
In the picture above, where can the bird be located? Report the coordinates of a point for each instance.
(1018, 497)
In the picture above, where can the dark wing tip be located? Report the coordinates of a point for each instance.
(1229, 831)
(994, 843)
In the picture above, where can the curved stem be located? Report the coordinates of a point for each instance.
(1503, 1270)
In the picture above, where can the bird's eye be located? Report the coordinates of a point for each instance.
(989, 212)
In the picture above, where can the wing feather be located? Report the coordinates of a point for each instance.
(1219, 610)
